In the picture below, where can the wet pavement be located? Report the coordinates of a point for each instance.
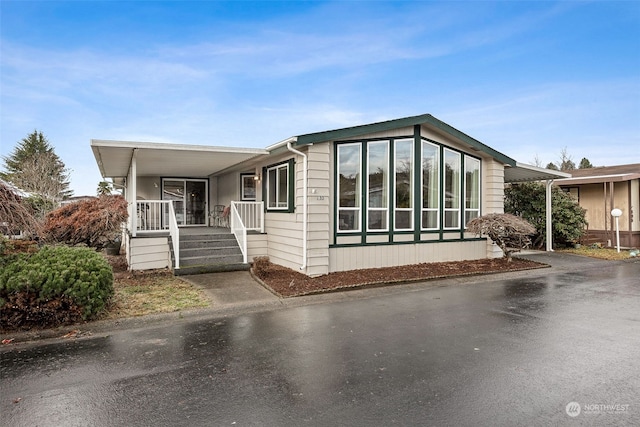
(513, 349)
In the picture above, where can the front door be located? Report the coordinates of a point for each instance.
(189, 199)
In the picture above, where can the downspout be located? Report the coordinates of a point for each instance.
(304, 202)
(134, 192)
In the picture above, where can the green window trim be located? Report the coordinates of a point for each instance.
(272, 187)
(427, 216)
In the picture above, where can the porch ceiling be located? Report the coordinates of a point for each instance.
(526, 173)
(153, 159)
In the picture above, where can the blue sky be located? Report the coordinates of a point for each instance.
(526, 78)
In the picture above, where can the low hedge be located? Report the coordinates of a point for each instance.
(72, 278)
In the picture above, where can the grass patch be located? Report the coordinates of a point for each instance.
(142, 293)
(600, 253)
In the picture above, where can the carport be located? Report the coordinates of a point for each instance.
(527, 173)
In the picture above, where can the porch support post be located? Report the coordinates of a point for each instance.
(548, 216)
(134, 193)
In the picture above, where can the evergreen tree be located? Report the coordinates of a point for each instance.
(34, 167)
(552, 166)
(104, 188)
(585, 164)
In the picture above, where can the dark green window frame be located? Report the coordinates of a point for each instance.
(417, 204)
(266, 183)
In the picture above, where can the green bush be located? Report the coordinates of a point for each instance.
(528, 201)
(80, 276)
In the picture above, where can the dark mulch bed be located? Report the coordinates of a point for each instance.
(289, 283)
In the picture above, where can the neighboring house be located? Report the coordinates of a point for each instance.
(397, 192)
(602, 189)
(75, 199)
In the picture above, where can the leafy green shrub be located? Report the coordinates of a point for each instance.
(72, 276)
(528, 201)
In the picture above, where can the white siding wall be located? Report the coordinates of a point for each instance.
(147, 253)
(257, 245)
(352, 258)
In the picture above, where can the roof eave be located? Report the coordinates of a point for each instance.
(355, 131)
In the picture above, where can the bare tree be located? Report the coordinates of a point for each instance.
(15, 215)
(41, 175)
(511, 233)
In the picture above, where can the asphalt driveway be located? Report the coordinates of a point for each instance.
(554, 346)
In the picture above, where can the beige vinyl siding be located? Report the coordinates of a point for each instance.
(358, 257)
(593, 200)
(318, 197)
(285, 239)
(394, 133)
(257, 245)
(228, 189)
(378, 238)
(492, 196)
(147, 253)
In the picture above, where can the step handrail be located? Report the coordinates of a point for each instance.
(239, 230)
(174, 232)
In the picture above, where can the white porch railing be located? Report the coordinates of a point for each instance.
(158, 216)
(251, 214)
(174, 231)
(239, 230)
(246, 216)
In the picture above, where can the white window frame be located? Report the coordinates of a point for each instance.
(385, 197)
(445, 209)
(358, 189)
(277, 187)
(467, 161)
(438, 188)
(411, 184)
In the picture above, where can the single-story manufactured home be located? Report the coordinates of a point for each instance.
(600, 190)
(390, 193)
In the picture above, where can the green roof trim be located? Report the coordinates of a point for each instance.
(355, 131)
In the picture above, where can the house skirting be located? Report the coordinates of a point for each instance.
(148, 252)
(628, 239)
(373, 256)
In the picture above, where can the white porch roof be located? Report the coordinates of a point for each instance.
(153, 159)
(522, 172)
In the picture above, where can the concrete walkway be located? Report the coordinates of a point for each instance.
(232, 288)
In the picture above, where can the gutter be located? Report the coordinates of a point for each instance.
(304, 198)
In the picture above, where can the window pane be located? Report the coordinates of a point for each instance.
(349, 175)
(429, 219)
(451, 219)
(377, 220)
(404, 173)
(403, 220)
(283, 186)
(469, 215)
(472, 183)
(271, 182)
(451, 179)
(348, 220)
(378, 164)
(430, 174)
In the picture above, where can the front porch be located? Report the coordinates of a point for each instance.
(154, 237)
